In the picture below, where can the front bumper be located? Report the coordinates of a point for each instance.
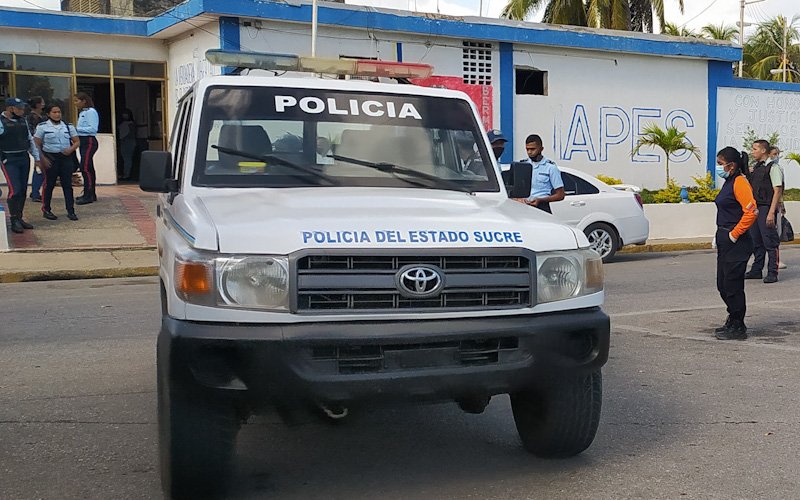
(349, 362)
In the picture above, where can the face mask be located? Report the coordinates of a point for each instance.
(498, 152)
(724, 174)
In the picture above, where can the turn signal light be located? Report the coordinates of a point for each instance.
(193, 279)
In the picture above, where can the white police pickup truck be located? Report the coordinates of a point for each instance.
(326, 243)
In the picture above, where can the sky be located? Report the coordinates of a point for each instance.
(698, 13)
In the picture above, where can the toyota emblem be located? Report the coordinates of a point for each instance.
(418, 282)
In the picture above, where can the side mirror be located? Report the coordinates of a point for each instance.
(518, 180)
(155, 172)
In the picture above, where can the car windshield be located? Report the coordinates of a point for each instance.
(287, 137)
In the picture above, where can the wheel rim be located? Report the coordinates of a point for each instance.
(600, 241)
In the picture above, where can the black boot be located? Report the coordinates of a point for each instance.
(25, 225)
(737, 331)
(724, 327)
(16, 225)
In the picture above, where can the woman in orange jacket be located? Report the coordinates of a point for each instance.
(736, 212)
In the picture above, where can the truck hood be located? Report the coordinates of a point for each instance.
(258, 221)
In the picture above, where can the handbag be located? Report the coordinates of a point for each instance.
(787, 232)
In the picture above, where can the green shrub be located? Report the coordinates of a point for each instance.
(792, 194)
(608, 179)
(670, 194)
(704, 191)
(647, 196)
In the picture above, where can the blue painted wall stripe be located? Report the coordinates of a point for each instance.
(70, 22)
(506, 90)
(229, 37)
(717, 73)
(399, 52)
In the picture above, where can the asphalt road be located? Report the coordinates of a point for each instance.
(685, 416)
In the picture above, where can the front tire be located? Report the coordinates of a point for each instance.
(559, 419)
(602, 239)
(197, 437)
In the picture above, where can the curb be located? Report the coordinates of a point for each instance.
(665, 247)
(122, 272)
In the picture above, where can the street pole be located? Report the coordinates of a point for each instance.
(785, 47)
(741, 34)
(314, 28)
(480, 14)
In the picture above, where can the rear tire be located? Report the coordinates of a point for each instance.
(559, 419)
(602, 239)
(197, 437)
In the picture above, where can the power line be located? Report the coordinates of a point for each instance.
(700, 13)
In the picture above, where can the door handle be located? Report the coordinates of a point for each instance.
(577, 203)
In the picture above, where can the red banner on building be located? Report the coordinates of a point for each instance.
(481, 95)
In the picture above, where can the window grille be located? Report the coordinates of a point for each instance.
(477, 63)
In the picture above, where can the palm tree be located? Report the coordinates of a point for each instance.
(634, 15)
(763, 51)
(670, 141)
(793, 156)
(675, 30)
(720, 31)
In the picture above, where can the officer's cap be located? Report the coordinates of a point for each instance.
(15, 102)
(495, 135)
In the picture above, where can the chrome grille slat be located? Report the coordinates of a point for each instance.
(337, 283)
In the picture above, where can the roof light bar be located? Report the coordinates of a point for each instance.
(290, 62)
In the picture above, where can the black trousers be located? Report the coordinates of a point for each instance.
(88, 148)
(765, 243)
(731, 266)
(60, 168)
(16, 167)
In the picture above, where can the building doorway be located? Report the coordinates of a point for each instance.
(140, 122)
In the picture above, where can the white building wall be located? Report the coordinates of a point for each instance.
(765, 112)
(598, 103)
(187, 62)
(53, 43)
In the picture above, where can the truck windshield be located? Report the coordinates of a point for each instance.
(287, 137)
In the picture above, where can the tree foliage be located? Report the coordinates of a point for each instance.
(670, 141)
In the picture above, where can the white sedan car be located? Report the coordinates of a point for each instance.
(609, 217)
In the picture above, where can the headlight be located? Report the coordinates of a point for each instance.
(255, 282)
(564, 275)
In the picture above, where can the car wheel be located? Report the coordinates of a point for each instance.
(559, 419)
(197, 437)
(602, 239)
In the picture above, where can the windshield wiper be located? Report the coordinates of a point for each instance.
(394, 170)
(279, 161)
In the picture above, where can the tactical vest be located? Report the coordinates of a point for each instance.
(14, 136)
(761, 183)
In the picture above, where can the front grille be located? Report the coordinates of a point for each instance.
(342, 283)
(355, 359)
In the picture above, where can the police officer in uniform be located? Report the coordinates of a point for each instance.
(767, 185)
(736, 212)
(88, 123)
(15, 143)
(546, 183)
(58, 141)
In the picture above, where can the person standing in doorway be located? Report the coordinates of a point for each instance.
(546, 183)
(35, 117)
(88, 123)
(736, 212)
(767, 183)
(57, 141)
(15, 144)
(127, 143)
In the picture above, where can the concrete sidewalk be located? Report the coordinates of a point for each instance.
(115, 237)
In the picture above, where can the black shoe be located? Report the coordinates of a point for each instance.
(737, 331)
(85, 201)
(752, 275)
(724, 327)
(49, 215)
(25, 225)
(16, 226)
(771, 278)
(37, 199)
(72, 217)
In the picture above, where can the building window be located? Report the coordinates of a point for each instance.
(477, 63)
(139, 69)
(91, 66)
(44, 64)
(6, 61)
(531, 81)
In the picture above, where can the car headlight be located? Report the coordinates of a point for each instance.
(568, 274)
(252, 282)
(256, 282)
